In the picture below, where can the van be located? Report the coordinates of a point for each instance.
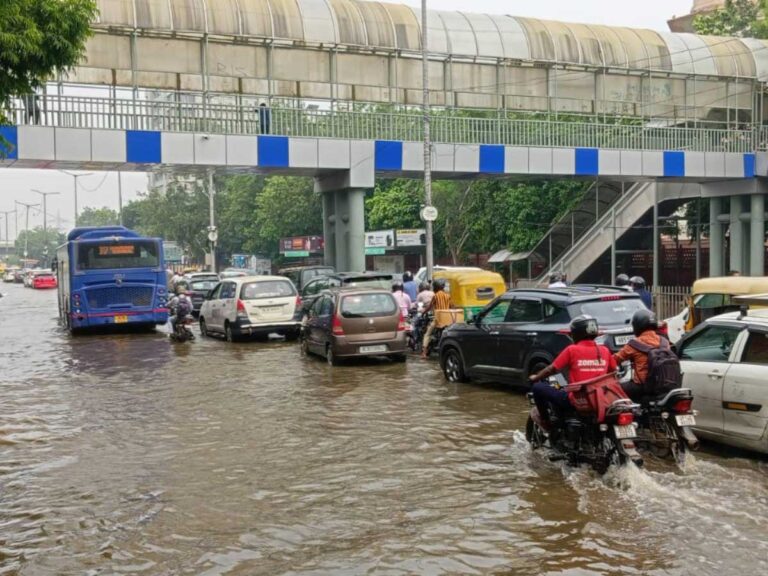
(301, 275)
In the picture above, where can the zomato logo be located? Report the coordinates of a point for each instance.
(591, 364)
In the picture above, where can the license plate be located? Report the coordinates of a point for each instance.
(685, 419)
(373, 349)
(271, 308)
(623, 432)
(621, 340)
(121, 319)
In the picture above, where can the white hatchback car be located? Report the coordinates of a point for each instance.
(725, 362)
(250, 306)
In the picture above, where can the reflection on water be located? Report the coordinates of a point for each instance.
(129, 454)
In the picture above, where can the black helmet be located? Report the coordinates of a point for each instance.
(637, 281)
(555, 278)
(643, 320)
(407, 276)
(397, 286)
(584, 327)
(622, 280)
(438, 284)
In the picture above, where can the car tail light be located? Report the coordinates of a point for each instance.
(401, 326)
(682, 406)
(607, 298)
(625, 419)
(336, 327)
(298, 302)
(564, 332)
(663, 328)
(241, 308)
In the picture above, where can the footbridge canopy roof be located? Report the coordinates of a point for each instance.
(388, 26)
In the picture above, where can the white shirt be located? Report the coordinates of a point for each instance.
(558, 285)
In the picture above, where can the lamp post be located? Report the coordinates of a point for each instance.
(45, 220)
(428, 213)
(8, 224)
(75, 177)
(26, 225)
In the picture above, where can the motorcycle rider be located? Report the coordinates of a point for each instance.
(402, 299)
(622, 281)
(180, 306)
(440, 301)
(409, 286)
(425, 294)
(584, 359)
(644, 325)
(637, 283)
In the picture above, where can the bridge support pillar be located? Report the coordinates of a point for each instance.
(329, 228)
(343, 224)
(757, 236)
(715, 238)
(737, 236)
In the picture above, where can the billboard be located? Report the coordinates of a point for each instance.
(380, 239)
(408, 238)
(172, 252)
(304, 244)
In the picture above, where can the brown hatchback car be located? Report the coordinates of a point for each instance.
(354, 322)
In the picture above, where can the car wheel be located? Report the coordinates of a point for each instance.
(453, 366)
(230, 337)
(330, 357)
(304, 347)
(292, 336)
(203, 327)
(536, 366)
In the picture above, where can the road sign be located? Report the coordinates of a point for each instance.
(375, 251)
(213, 235)
(429, 213)
(296, 253)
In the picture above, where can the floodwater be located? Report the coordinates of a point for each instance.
(128, 454)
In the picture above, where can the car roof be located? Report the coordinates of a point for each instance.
(357, 290)
(756, 317)
(244, 279)
(573, 293)
(363, 275)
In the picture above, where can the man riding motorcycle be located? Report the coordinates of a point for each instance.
(440, 301)
(180, 306)
(585, 359)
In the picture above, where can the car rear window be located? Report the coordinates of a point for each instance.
(614, 311)
(267, 289)
(382, 282)
(203, 285)
(367, 305)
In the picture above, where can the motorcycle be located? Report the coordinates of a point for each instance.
(416, 328)
(665, 425)
(181, 331)
(599, 437)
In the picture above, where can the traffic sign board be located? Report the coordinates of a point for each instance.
(296, 253)
(429, 213)
(375, 251)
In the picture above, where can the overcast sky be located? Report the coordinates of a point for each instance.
(97, 191)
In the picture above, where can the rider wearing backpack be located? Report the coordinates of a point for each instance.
(655, 367)
(180, 306)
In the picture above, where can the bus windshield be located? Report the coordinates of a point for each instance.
(110, 255)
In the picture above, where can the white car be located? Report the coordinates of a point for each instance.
(421, 275)
(725, 362)
(252, 305)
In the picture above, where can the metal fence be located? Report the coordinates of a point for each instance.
(670, 300)
(194, 114)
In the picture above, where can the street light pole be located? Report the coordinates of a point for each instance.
(213, 234)
(8, 224)
(75, 177)
(120, 197)
(26, 225)
(45, 220)
(427, 141)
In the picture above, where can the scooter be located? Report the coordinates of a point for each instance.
(181, 331)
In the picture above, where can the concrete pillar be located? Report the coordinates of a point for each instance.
(715, 238)
(350, 230)
(736, 235)
(757, 236)
(329, 228)
(342, 233)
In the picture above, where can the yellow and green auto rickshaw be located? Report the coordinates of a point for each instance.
(713, 296)
(472, 290)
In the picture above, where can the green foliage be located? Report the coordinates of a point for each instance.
(98, 217)
(236, 209)
(39, 38)
(35, 241)
(394, 204)
(741, 18)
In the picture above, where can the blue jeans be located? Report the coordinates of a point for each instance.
(545, 395)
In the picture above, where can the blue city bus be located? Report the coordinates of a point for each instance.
(111, 276)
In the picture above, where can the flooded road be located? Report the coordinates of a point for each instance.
(129, 455)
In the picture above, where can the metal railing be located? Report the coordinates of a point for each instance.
(185, 115)
(669, 300)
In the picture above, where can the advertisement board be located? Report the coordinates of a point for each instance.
(172, 252)
(380, 239)
(408, 238)
(310, 244)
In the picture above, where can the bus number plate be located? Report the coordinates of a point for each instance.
(121, 319)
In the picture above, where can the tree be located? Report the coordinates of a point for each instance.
(741, 18)
(394, 204)
(236, 211)
(39, 38)
(288, 206)
(35, 242)
(98, 217)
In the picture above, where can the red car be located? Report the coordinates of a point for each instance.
(44, 281)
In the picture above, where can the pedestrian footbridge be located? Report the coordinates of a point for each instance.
(332, 89)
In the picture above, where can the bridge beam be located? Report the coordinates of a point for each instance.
(757, 236)
(715, 238)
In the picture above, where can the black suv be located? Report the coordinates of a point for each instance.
(314, 287)
(522, 331)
